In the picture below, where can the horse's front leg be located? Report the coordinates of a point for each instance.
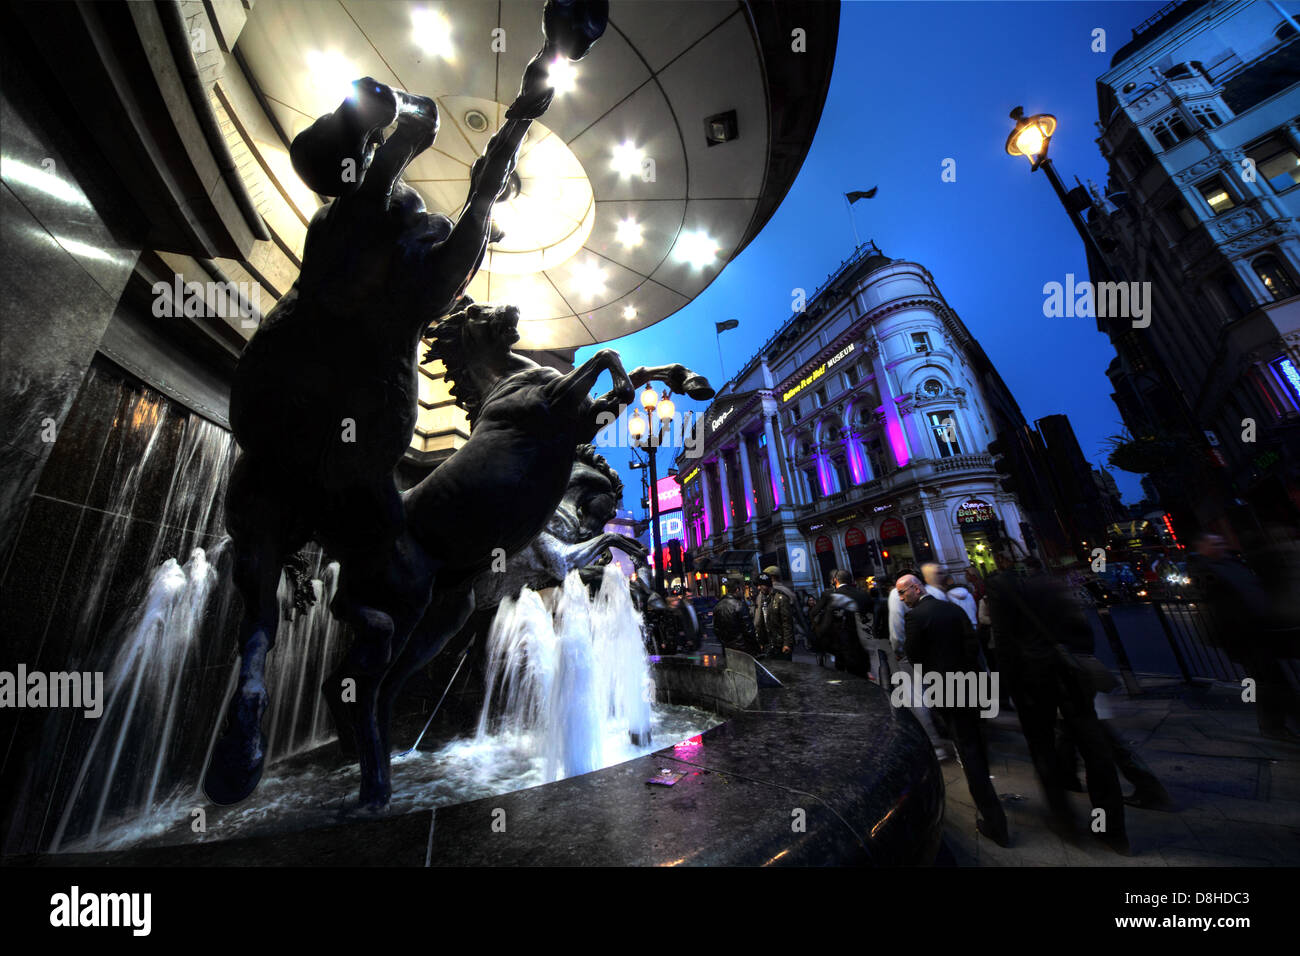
(678, 378)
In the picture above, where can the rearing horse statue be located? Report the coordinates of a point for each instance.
(324, 403)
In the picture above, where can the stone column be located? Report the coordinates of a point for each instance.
(776, 466)
(746, 479)
(725, 490)
(896, 439)
(706, 495)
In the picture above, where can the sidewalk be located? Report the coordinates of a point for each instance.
(1238, 793)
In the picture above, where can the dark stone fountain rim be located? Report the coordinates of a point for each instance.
(821, 770)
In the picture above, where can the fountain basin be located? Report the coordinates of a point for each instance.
(821, 770)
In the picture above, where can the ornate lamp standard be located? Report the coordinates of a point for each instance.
(648, 440)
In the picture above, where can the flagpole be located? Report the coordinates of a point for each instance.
(848, 206)
(717, 337)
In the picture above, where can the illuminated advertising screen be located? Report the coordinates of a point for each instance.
(669, 494)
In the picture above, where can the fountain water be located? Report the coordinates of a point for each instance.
(134, 774)
(566, 684)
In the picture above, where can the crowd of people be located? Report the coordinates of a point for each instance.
(1029, 628)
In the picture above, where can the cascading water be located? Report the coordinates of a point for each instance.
(137, 773)
(568, 684)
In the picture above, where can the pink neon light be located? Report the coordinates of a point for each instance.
(897, 442)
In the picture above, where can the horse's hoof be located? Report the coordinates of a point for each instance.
(698, 387)
(235, 770)
(240, 752)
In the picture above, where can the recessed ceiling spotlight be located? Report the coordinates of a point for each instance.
(627, 159)
(476, 121)
(721, 128)
(629, 312)
(696, 248)
(562, 75)
(588, 278)
(332, 75)
(628, 232)
(431, 31)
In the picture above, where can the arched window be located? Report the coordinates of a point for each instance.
(1275, 277)
(1284, 32)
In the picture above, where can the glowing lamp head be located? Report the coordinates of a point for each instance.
(1031, 136)
(636, 424)
(649, 399)
(666, 407)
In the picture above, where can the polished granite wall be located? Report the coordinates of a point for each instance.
(132, 481)
(61, 276)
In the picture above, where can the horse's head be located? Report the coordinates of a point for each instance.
(474, 345)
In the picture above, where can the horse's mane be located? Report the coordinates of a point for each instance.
(586, 454)
(447, 343)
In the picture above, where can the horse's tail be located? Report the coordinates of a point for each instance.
(298, 571)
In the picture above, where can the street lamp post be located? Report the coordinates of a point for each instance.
(1031, 138)
(648, 439)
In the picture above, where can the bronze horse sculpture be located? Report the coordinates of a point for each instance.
(324, 404)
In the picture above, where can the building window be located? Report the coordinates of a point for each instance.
(842, 473)
(1284, 32)
(1179, 218)
(1171, 131)
(920, 341)
(1216, 195)
(876, 455)
(1276, 163)
(1137, 157)
(1275, 277)
(945, 433)
(814, 488)
(794, 414)
(1207, 116)
(932, 387)
(819, 396)
(851, 376)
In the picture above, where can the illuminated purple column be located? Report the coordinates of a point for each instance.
(745, 478)
(894, 430)
(706, 494)
(775, 466)
(724, 490)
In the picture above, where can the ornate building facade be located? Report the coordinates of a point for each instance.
(1198, 121)
(855, 438)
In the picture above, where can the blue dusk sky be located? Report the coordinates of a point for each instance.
(914, 84)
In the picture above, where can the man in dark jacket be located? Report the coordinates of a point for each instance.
(1239, 613)
(774, 620)
(798, 609)
(1037, 625)
(733, 624)
(839, 621)
(940, 638)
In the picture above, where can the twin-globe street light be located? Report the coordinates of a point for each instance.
(638, 428)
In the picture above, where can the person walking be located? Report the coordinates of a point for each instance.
(774, 620)
(897, 613)
(733, 624)
(1244, 623)
(940, 638)
(1038, 629)
(798, 608)
(842, 619)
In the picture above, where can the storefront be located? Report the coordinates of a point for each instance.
(978, 527)
(824, 548)
(896, 550)
(859, 551)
